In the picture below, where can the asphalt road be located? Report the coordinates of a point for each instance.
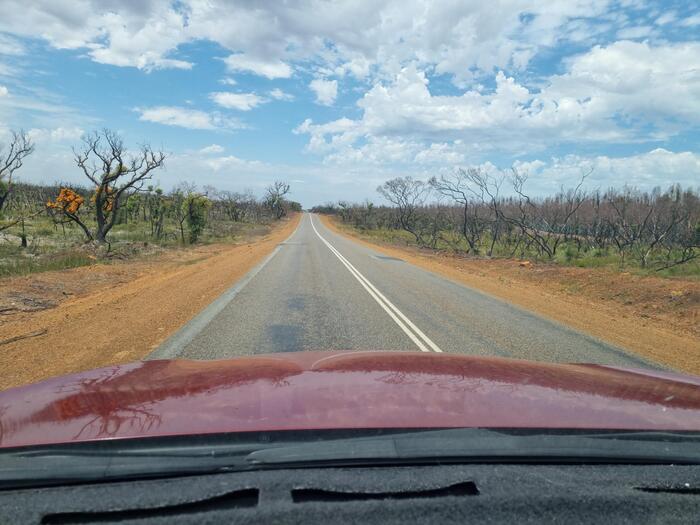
(321, 291)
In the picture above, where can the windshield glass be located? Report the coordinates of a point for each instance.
(229, 218)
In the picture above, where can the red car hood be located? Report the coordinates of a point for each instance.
(342, 390)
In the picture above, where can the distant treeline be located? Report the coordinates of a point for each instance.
(172, 212)
(469, 212)
(119, 191)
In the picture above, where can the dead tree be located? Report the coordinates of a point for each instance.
(407, 194)
(274, 198)
(11, 160)
(545, 230)
(106, 162)
(460, 187)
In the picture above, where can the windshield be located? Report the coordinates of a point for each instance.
(234, 218)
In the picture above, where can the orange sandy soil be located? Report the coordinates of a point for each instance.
(654, 317)
(61, 322)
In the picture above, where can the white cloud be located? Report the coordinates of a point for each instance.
(278, 94)
(440, 153)
(624, 92)
(10, 46)
(213, 148)
(239, 101)
(357, 66)
(186, 118)
(230, 162)
(267, 68)
(635, 80)
(666, 18)
(31, 107)
(59, 134)
(691, 21)
(391, 51)
(359, 37)
(142, 43)
(658, 167)
(377, 151)
(326, 90)
(141, 35)
(634, 32)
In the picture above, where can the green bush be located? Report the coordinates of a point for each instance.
(195, 208)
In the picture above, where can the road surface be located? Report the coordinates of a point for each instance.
(321, 291)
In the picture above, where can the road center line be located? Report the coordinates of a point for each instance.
(412, 331)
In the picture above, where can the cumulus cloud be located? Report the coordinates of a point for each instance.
(186, 118)
(230, 162)
(624, 92)
(59, 134)
(141, 34)
(657, 82)
(393, 53)
(267, 68)
(239, 101)
(349, 36)
(278, 94)
(326, 91)
(658, 167)
(139, 41)
(213, 148)
(440, 153)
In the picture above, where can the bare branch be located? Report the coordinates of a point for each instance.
(106, 162)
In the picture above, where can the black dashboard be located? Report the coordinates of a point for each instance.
(476, 493)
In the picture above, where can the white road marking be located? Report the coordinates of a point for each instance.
(172, 347)
(412, 331)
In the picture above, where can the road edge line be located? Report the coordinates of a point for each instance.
(173, 345)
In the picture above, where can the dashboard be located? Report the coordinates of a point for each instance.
(482, 493)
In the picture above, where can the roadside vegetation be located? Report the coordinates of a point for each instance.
(118, 212)
(485, 215)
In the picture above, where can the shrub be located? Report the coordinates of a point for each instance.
(195, 208)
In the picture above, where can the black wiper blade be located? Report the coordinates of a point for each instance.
(61, 470)
(648, 435)
(115, 461)
(44, 466)
(475, 445)
(174, 451)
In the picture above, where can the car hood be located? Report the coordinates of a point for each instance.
(342, 390)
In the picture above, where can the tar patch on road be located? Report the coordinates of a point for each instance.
(387, 258)
(285, 338)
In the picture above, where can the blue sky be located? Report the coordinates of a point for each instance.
(337, 97)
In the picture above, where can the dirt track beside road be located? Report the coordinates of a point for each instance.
(123, 313)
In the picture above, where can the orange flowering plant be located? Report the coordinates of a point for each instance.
(68, 201)
(67, 204)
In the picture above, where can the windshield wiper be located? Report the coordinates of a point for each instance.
(41, 466)
(475, 445)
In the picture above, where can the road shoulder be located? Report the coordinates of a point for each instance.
(125, 319)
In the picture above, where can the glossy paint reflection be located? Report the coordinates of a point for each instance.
(317, 390)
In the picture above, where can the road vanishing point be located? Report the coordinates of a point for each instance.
(319, 290)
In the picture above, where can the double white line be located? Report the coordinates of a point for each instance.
(421, 340)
